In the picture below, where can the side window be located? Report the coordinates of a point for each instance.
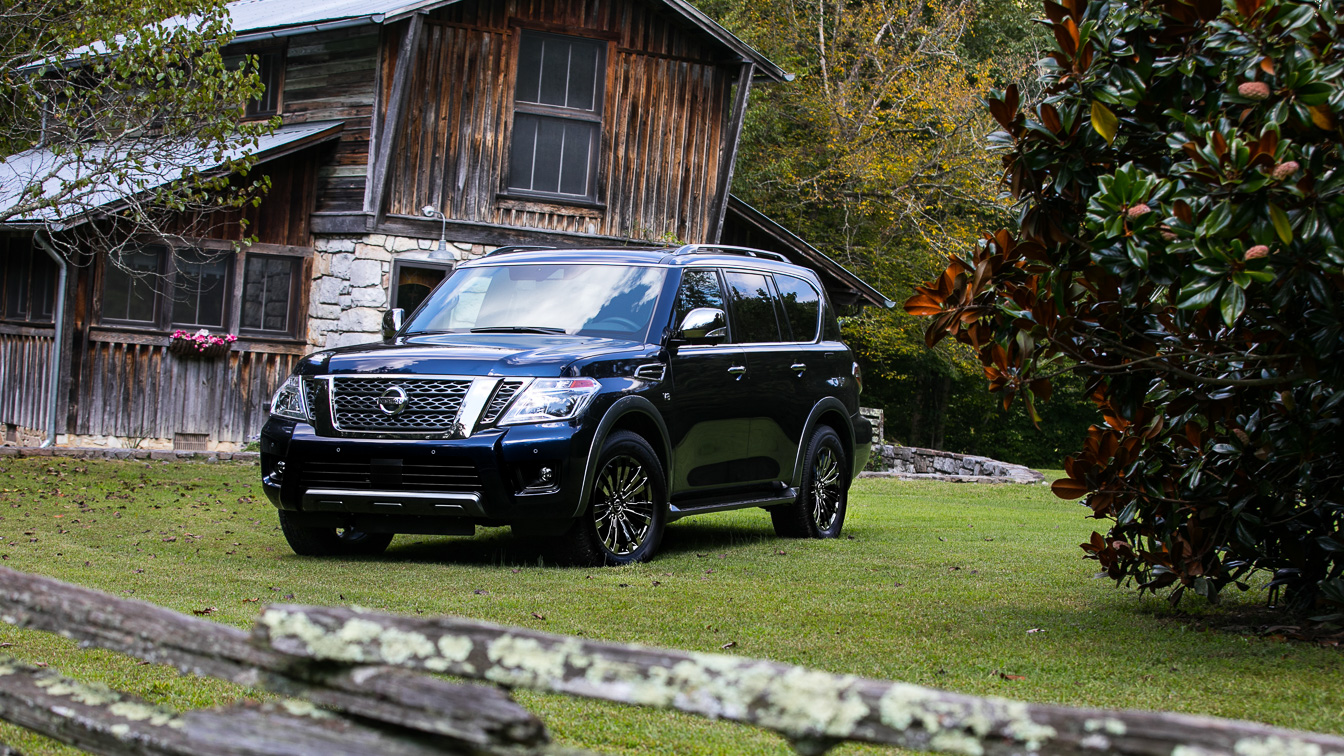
(754, 316)
(268, 294)
(802, 306)
(130, 287)
(30, 282)
(699, 288)
(201, 288)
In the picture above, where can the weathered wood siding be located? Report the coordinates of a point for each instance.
(662, 120)
(141, 390)
(25, 376)
(332, 76)
(283, 215)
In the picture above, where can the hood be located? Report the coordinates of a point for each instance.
(464, 354)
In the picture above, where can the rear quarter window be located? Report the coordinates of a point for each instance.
(802, 306)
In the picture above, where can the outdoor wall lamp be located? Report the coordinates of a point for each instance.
(442, 252)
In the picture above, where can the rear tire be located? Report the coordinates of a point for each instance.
(627, 507)
(819, 510)
(307, 540)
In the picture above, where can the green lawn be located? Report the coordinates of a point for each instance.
(937, 584)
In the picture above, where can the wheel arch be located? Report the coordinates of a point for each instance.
(629, 413)
(829, 411)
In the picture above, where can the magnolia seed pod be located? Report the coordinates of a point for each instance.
(1254, 90)
(1257, 252)
(1285, 170)
(1138, 210)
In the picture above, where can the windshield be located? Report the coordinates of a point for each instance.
(612, 301)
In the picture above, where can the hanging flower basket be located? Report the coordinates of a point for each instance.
(201, 344)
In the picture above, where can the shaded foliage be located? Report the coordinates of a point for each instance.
(1176, 244)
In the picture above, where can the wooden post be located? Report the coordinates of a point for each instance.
(376, 189)
(729, 156)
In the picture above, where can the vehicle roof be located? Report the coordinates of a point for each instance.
(684, 256)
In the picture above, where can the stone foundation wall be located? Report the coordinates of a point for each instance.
(352, 279)
(933, 464)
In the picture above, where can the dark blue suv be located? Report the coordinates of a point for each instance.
(588, 396)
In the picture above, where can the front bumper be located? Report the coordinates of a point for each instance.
(491, 478)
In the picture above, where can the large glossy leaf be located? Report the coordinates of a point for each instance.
(1104, 121)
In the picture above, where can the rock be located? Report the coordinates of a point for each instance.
(366, 273)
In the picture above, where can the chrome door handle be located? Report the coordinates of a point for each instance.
(738, 370)
(798, 367)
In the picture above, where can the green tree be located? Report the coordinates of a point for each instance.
(110, 113)
(1177, 245)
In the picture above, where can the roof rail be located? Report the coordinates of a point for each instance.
(725, 249)
(516, 248)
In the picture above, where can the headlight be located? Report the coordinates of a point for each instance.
(288, 400)
(550, 399)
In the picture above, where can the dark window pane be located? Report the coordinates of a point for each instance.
(414, 284)
(583, 59)
(130, 285)
(524, 147)
(202, 284)
(753, 308)
(575, 157)
(268, 285)
(546, 164)
(554, 71)
(802, 305)
(699, 288)
(17, 259)
(529, 69)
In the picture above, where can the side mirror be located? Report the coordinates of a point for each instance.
(703, 325)
(392, 320)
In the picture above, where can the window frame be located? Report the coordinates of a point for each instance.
(821, 307)
(252, 111)
(157, 323)
(397, 264)
(593, 116)
(31, 295)
(237, 294)
(780, 323)
(226, 304)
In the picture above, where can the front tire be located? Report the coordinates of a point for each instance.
(627, 510)
(819, 510)
(307, 540)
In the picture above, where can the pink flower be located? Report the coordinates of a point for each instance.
(1254, 90)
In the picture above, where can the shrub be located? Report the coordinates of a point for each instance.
(1177, 244)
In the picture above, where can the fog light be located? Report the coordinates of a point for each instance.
(278, 472)
(545, 475)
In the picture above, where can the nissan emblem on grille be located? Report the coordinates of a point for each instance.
(393, 401)
(384, 404)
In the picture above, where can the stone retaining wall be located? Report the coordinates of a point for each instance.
(145, 454)
(912, 463)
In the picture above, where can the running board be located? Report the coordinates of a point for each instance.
(787, 496)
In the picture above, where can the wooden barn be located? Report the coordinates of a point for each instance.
(415, 134)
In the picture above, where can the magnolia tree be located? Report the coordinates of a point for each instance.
(110, 114)
(1177, 242)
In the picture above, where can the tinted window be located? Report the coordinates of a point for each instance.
(699, 288)
(268, 286)
(202, 284)
(129, 286)
(754, 318)
(802, 306)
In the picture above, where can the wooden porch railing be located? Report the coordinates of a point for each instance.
(354, 684)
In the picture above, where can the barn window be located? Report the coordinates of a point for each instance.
(29, 281)
(270, 70)
(557, 116)
(200, 289)
(130, 287)
(268, 293)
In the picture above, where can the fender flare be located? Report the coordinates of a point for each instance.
(622, 407)
(813, 419)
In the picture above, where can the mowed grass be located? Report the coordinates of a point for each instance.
(946, 585)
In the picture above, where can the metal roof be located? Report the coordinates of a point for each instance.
(262, 19)
(22, 170)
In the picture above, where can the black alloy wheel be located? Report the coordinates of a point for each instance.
(626, 508)
(819, 510)
(308, 540)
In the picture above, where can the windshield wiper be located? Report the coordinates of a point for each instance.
(517, 329)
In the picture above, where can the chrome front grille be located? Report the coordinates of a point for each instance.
(508, 389)
(432, 404)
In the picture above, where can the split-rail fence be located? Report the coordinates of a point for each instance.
(361, 682)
